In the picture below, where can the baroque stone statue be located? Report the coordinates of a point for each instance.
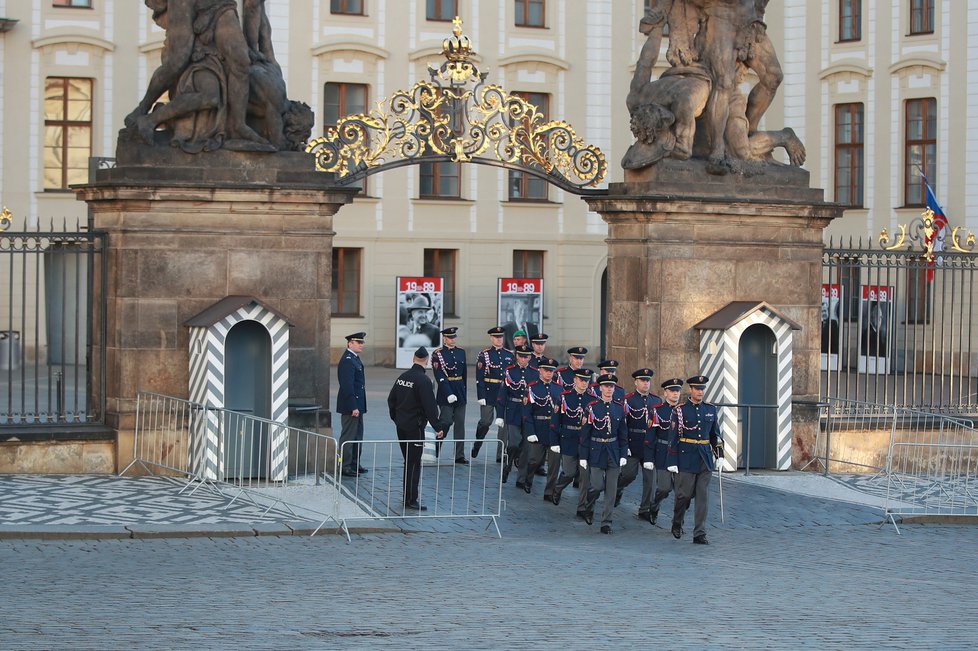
(225, 88)
(696, 108)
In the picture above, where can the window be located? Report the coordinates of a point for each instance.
(354, 7)
(442, 9)
(67, 131)
(527, 264)
(920, 156)
(346, 282)
(341, 100)
(921, 16)
(850, 20)
(530, 13)
(523, 186)
(918, 296)
(441, 263)
(86, 4)
(440, 180)
(849, 154)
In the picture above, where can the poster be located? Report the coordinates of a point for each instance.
(832, 319)
(875, 329)
(520, 307)
(420, 313)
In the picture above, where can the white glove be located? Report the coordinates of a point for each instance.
(499, 422)
(584, 463)
(555, 448)
(673, 468)
(722, 464)
(482, 401)
(648, 465)
(532, 438)
(452, 399)
(622, 461)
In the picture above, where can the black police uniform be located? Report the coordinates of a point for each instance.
(412, 402)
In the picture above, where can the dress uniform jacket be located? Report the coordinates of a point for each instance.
(412, 400)
(490, 366)
(657, 441)
(449, 368)
(604, 439)
(352, 393)
(638, 414)
(544, 411)
(511, 402)
(695, 433)
(571, 421)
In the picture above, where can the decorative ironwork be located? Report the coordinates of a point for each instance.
(930, 237)
(6, 219)
(457, 117)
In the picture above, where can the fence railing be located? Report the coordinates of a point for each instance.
(748, 417)
(48, 374)
(296, 472)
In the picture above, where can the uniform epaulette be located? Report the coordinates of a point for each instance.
(594, 402)
(567, 392)
(511, 366)
(629, 395)
(534, 382)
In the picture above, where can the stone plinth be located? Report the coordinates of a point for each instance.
(682, 244)
(186, 231)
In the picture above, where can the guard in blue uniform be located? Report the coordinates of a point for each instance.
(512, 408)
(695, 443)
(608, 367)
(489, 368)
(544, 403)
(638, 418)
(575, 361)
(539, 345)
(351, 404)
(604, 450)
(657, 444)
(570, 424)
(448, 365)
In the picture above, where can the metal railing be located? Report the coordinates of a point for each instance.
(48, 321)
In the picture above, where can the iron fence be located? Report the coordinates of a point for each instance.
(899, 330)
(47, 311)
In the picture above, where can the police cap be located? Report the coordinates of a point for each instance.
(607, 378)
(698, 381)
(496, 331)
(577, 351)
(643, 374)
(673, 383)
(450, 332)
(357, 336)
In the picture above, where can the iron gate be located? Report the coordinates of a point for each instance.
(48, 317)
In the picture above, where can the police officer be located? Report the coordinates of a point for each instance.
(544, 403)
(604, 450)
(575, 361)
(608, 367)
(411, 402)
(448, 365)
(539, 345)
(695, 443)
(638, 416)
(489, 366)
(570, 422)
(511, 407)
(351, 404)
(657, 445)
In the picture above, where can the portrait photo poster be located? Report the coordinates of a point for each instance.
(420, 315)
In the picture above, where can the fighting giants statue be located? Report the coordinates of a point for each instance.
(226, 89)
(695, 109)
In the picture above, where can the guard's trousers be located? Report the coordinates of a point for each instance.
(453, 416)
(531, 457)
(351, 430)
(603, 480)
(569, 469)
(663, 486)
(690, 485)
(629, 473)
(487, 414)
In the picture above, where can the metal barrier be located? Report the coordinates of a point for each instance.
(934, 471)
(853, 435)
(449, 490)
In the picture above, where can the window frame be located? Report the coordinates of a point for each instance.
(342, 110)
(912, 184)
(524, 266)
(523, 179)
(69, 4)
(343, 8)
(65, 124)
(340, 254)
(433, 270)
(923, 12)
(438, 4)
(919, 297)
(854, 21)
(856, 147)
(435, 170)
(526, 4)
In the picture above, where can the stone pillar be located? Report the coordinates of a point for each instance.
(682, 244)
(185, 231)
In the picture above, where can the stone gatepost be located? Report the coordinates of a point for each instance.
(682, 244)
(185, 231)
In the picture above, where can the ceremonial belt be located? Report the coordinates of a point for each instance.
(542, 417)
(633, 429)
(516, 399)
(454, 378)
(492, 380)
(663, 441)
(697, 441)
(603, 440)
(572, 427)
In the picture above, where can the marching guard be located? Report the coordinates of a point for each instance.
(695, 444)
(570, 424)
(490, 365)
(449, 367)
(544, 403)
(657, 445)
(604, 450)
(638, 417)
(511, 407)
(575, 361)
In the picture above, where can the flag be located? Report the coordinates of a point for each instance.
(939, 223)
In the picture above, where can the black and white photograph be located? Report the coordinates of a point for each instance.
(874, 329)
(520, 309)
(420, 313)
(831, 325)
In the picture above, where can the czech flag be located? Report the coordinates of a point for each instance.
(940, 225)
